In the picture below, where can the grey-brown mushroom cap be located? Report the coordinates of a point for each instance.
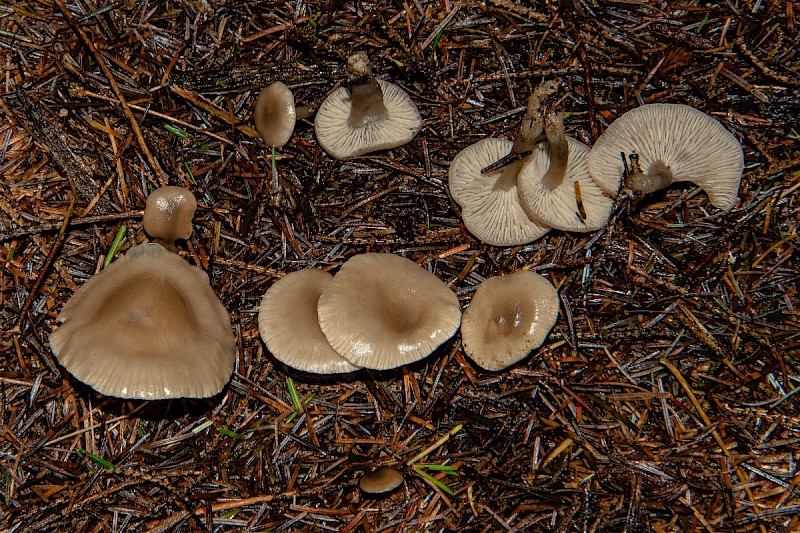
(382, 311)
(558, 207)
(508, 317)
(343, 141)
(490, 204)
(275, 115)
(694, 145)
(384, 479)
(148, 326)
(168, 214)
(287, 320)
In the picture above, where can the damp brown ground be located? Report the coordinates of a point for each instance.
(663, 400)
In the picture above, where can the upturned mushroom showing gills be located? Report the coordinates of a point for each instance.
(275, 114)
(168, 215)
(555, 186)
(382, 311)
(508, 317)
(148, 327)
(490, 202)
(288, 323)
(655, 145)
(373, 115)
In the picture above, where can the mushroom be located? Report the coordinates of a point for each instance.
(374, 115)
(555, 185)
(666, 143)
(168, 215)
(384, 479)
(490, 202)
(275, 114)
(382, 311)
(507, 318)
(287, 320)
(148, 326)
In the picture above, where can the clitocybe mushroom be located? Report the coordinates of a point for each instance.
(287, 320)
(384, 479)
(148, 326)
(168, 215)
(382, 311)
(374, 115)
(490, 202)
(664, 143)
(555, 185)
(275, 115)
(507, 318)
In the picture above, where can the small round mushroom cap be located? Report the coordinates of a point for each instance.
(168, 214)
(345, 135)
(490, 203)
(148, 326)
(508, 317)
(289, 325)
(384, 479)
(382, 311)
(558, 207)
(694, 146)
(275, 114)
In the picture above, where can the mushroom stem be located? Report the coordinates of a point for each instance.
(367, 104)
(559, 151)
(658, 176)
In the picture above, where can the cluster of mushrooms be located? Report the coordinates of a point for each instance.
(149, 326)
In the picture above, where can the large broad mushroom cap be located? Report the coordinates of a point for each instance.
(490, 203)
(555, 186)
(287, 320)
(377, 115)
(508, 317)
(670, 142)
(382, 311)
(168, 214)
(275, 114)
(148, 327)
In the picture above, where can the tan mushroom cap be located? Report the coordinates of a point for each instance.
(287, 320)
(508, 317)
(342, 139)
(150, 327)
(275, 115)
(168, 214)
(382, 311)
(558, 207)
(384, 479)
(695, 147)
(490, 203)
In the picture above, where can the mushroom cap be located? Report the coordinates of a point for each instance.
(275, 114)
(168, 214)
(384, 479)
(382, 311)
(287, 320)
(694, 145)
(558, 207)
(490, 203)
(148, 326)
(508, 317)
(343, 141)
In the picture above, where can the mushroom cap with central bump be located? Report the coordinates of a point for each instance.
(692, 145)
(490, 203)
(382, 311)
(275, 114)
(344, 134)
(287, 320)
(558, 207)
(384, 479)
(508, 317)
(148, 326)
(168, 214)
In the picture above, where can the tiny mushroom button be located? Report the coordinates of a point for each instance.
(168, 215)
(275, 114)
